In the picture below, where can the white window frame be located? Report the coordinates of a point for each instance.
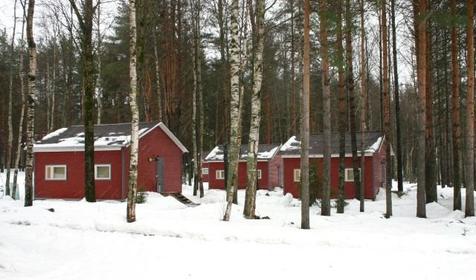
(220, 174)
(53, 166)
(96, 172)
(346, 174)
(297, 175)
(259, 174)
(204, 170)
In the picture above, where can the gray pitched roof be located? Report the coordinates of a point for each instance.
(372, 142)
(265, 152)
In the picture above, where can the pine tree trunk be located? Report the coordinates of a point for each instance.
(157, 75)
(134, 145)
(342, 109)
(30, 129)
(469, 160)
(250, 199)
(201, 123)
(305, 224)
(397, 102)
(22, 111)
(352, 99)
(87, 59)
(386, 114)
(10, 104)
(430, 162)
(326, 121)
(455, 114)
(234, 149)
(421, 41)
(363, 105)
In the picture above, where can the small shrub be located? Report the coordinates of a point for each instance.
(141, 196)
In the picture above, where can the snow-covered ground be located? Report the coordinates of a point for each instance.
(58, 239)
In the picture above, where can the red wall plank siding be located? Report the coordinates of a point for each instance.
(154, 144)
(73, 186)
(213, 183)
(371, 189)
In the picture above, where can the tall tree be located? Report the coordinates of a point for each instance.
(455, 101)
(235, 108)
(21, 77)
(197, 107)
(30, 128)
(352, 97)
(85, 21)
(397, 101)
(363, 104)
(250, 199)
(10, 102)
(326, 99)
(305, 118)
(134, 145)
(420, 7)
(342, 108)
(469, 161)
(386, 113)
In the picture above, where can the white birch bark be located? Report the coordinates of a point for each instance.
(253, 144)
(234, 108)
(31, 105)
(134, 144)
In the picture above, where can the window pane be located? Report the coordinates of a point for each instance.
(102, 172)
(59, 172)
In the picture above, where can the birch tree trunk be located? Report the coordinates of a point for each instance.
(233, 154)
(455, 101)
(326, 99)
(134, 156)
(386, 114)
(469, 161)
(99, 90)
(250, 199)
(305, 223)
(22, 110)
(342, 108)
(10, 102)
(363, 105)
(30, 129)
(157, 75)
(420, 13)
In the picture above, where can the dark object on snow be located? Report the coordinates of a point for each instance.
(51, 209)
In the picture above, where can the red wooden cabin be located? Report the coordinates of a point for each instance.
(269, 167)
(59, 161)
(374, 168)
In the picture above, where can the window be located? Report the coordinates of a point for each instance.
(349, 174)
(204, 171)
(220, 174)
(297, 175)
(102, 172)
(259, 174)
(55, 172)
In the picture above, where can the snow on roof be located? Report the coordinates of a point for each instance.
(54, 133)
(265, 152)
(106, 137)
(372, 141)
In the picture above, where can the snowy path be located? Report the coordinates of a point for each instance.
(80, 240)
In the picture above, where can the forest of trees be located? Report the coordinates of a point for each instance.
(251, 71)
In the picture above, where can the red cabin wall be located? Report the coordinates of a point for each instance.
(155, 143)
(371, 189)
(213, 183)
(73, 186)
